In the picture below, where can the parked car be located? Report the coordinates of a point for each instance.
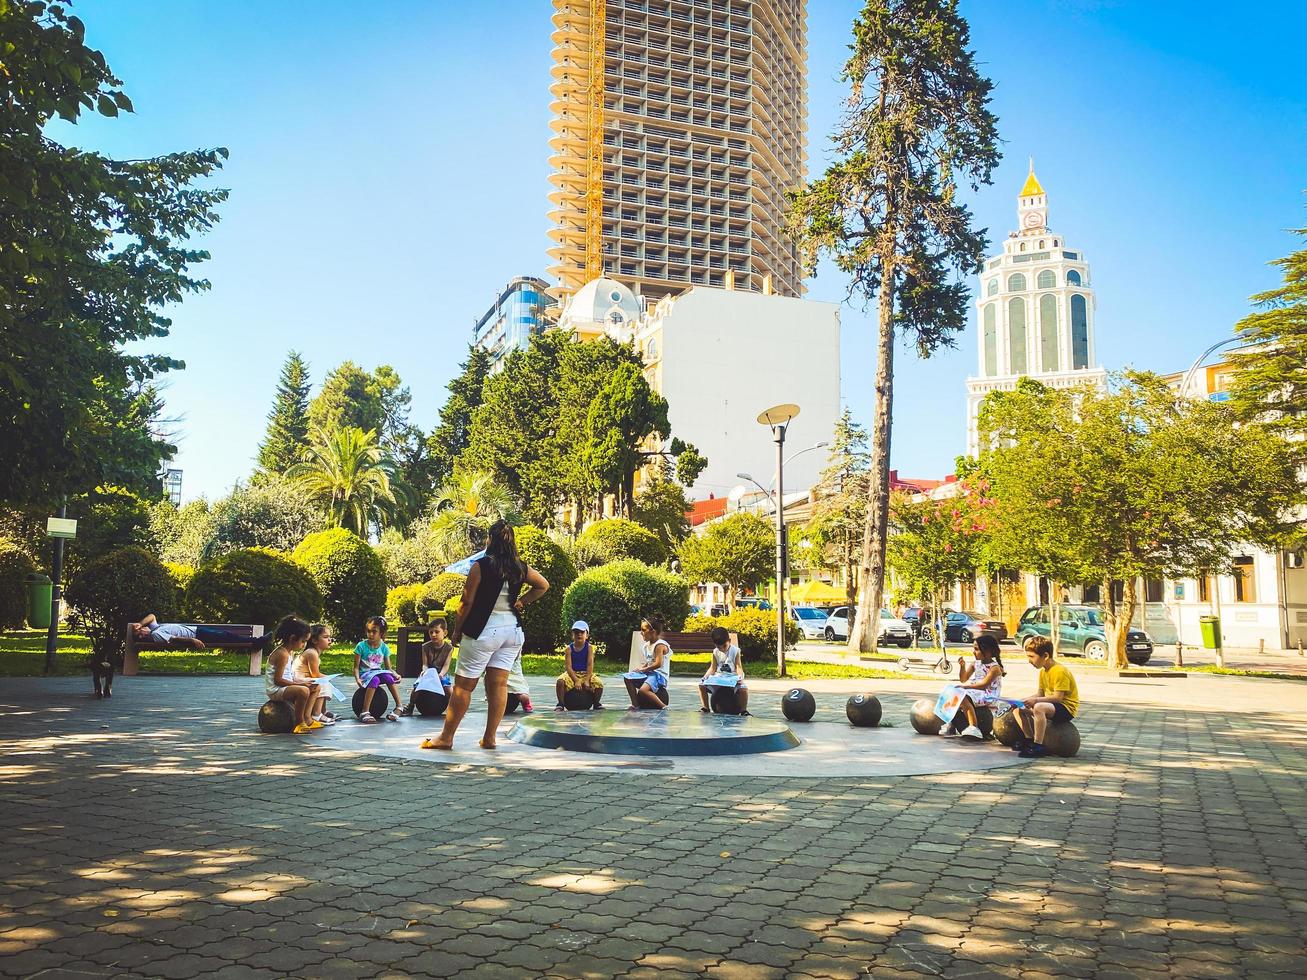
(752, 602)
(892, 629)
(1081, 630)
(811, 621)
(963, 627)
(718, 610)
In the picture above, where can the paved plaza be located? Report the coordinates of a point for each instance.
(159, 834)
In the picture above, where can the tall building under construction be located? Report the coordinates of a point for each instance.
(678, 128)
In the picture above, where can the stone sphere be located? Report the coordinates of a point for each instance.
(277, 718)
(798, 705)
(512, 703)
(924, 719)
(1062, 739)
(984, 721)
(724, 701)
(380, 701)
(863, 710)
(578, 699)
(431, 703)
(1006, 729)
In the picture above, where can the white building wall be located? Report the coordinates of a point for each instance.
(721, 357)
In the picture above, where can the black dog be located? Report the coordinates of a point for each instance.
(102, 674)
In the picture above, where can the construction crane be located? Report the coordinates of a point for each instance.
(594, 174)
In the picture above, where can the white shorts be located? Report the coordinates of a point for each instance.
(497, 646)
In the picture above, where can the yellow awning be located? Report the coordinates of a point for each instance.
(816, 591)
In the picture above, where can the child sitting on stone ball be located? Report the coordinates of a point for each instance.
(1057, 699)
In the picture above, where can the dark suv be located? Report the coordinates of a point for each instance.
(1081, 630)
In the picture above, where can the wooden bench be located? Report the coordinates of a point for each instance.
(132, 647)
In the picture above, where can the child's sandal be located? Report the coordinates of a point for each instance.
(367, 718)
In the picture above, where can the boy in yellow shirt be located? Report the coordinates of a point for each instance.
(1057, 700)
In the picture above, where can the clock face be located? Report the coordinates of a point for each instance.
(1034, 219)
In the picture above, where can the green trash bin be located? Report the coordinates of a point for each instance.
(39, 591)
(1211, 628)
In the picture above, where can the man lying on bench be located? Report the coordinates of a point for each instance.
(151, 630)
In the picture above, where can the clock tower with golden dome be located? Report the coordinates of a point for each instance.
(1035, 309)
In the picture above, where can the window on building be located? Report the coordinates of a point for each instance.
(1079, 332)
(1046, 280)
(1016, 283)
(1073, 278)
(1048, 353)
(1153, 590)
(1016, 334)
(1093, 593)
(1245, 586)
(992, 289)
(1205, 589)
(991, 340)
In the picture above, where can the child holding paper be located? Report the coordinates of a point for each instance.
(372, 668)
(724, 670)
(436, 654)
(644, 683)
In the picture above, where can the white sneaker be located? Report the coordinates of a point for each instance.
(971, 731)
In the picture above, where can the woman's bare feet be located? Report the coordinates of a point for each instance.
(488, 746)
(435, 743)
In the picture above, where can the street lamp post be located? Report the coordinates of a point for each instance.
(778, 418)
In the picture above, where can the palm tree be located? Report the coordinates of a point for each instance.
(349, 476)
(465, 506)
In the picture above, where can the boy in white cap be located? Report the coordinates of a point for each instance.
(579, 667)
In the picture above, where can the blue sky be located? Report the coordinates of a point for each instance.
(389, 173)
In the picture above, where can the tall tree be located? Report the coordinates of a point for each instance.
(839, 515)
(351, 479)
(92, 250)
(661, 507)
(350, 397)
(624, 412)
(286, 441)
(736, 551)
(1270, 386)
(1131, 483)
(886, 210)
(450, 438)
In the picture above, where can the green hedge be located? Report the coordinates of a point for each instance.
(15, 566)
(252, 585)
(350, 576)
(612, 599)
(445, 586)
(118, 588)
(542, 622)
(616, 538)
(755, 629)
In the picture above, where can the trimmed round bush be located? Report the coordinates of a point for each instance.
(252, 585)
(754, 628)
(181, 576)
(612, 598)
(15, 566)
(402, 604)
(445, 586)
(350, 576)
(616, 538)
(119, 588)
(542, 622)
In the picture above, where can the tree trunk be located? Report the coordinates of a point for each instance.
(1054, 615)
(1118, 622)
(871, 583)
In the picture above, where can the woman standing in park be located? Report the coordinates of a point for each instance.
(488, 631)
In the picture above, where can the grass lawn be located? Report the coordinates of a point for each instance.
(22, 654)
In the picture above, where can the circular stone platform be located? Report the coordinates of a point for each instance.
(653, 733)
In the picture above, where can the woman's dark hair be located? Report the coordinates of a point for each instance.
(655, 622)
(291, 628)
(316, 631)
(985, 643)
(719, 635)
(501, 554)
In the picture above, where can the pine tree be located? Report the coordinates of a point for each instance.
(840, 512)
(286, 441)
(451, 436)
(917, 126)
(1270, 386)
